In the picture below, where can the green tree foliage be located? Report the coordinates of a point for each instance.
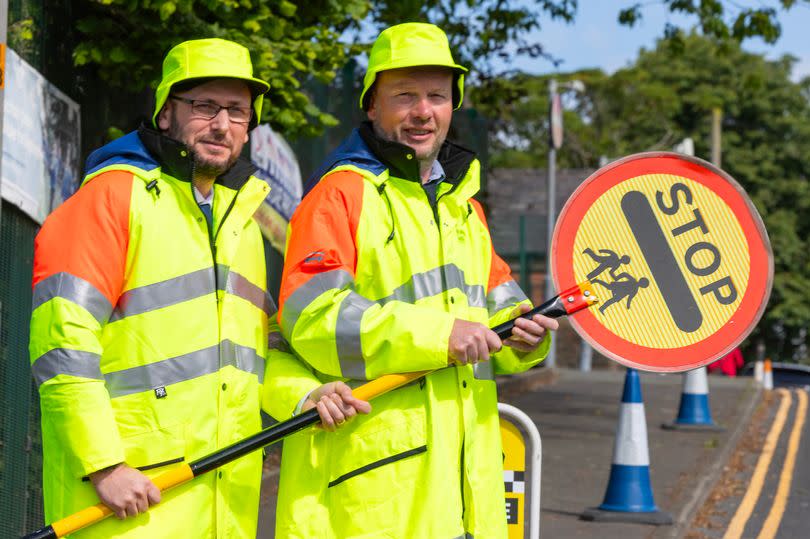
(719, 19)
(489, 34)
(668, 94)
(293, 40)
(124, 41)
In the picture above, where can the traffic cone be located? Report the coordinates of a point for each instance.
(629, 496)
(759, 371)
(767, 376)
(694, 413)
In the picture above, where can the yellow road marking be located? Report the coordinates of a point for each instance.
(783, 490)
(737, 525)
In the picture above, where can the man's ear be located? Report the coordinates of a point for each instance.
(371, 111)
(163, 118)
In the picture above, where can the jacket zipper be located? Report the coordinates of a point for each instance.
(435, 208)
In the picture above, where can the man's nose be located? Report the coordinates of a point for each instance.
(422, 109)
(221, 121)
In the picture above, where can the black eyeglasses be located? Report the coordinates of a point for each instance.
(207, 110)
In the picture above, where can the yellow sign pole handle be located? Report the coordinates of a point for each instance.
(386, 383)
(99, 512)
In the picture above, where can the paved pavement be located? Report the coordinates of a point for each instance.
(577, 418)
(577, 414)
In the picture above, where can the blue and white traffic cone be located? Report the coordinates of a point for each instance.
(629, 496)
(694, 412)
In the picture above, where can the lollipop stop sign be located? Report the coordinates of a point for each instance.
(677, 254)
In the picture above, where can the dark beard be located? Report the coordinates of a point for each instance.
(208, 169)
(202, 168)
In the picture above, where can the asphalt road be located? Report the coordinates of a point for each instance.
(765, 490)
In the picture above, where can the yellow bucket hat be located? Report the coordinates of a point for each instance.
(212, 58)
(411, 44)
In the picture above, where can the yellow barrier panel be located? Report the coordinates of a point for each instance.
(514, 478)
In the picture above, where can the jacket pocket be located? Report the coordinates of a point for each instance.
(382, 442)
(376, 464)
(155, 448)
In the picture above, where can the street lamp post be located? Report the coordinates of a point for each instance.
(555, 142)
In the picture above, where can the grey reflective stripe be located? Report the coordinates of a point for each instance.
(243, 358)
(241, 287)
(353, 306)
(76, 290)
(420, 285)
(347, 335)
(183, 368)
(165, 293)
(476, 296)
(484, 371)
(309, 292)
(504, 295)
(64, 361)
(222, 274)
(430, 283)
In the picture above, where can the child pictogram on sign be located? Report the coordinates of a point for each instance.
(607, 260)
(623, 285)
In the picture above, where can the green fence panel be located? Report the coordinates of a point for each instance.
(20, 445)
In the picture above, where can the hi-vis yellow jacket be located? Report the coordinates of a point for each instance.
(149, 335)
(375, 276)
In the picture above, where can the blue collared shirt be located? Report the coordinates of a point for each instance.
(432, 185)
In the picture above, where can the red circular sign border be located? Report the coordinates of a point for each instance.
(720, 183)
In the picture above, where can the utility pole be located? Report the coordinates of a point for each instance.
(555, 142)
(717, 120)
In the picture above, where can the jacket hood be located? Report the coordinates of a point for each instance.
(128, 150)
(364, 149)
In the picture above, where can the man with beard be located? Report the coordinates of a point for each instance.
(151, 321)
(390, 269)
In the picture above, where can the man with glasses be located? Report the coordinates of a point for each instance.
(151, 321)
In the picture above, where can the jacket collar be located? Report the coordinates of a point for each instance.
(401, 162)
(175, 158)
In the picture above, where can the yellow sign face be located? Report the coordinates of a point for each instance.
(514, 478)
(709, 249)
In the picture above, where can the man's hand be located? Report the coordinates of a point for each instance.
(471, 342)
(335, 404)
(125, 490)
(529, 333)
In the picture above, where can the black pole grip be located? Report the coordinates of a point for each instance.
(43, 533)
(260, 439)
(553, 308)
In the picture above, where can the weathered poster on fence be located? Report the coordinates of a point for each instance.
(278, 166)
(41, 141)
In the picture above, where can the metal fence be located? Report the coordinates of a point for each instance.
(20, 445)
(38, 33)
